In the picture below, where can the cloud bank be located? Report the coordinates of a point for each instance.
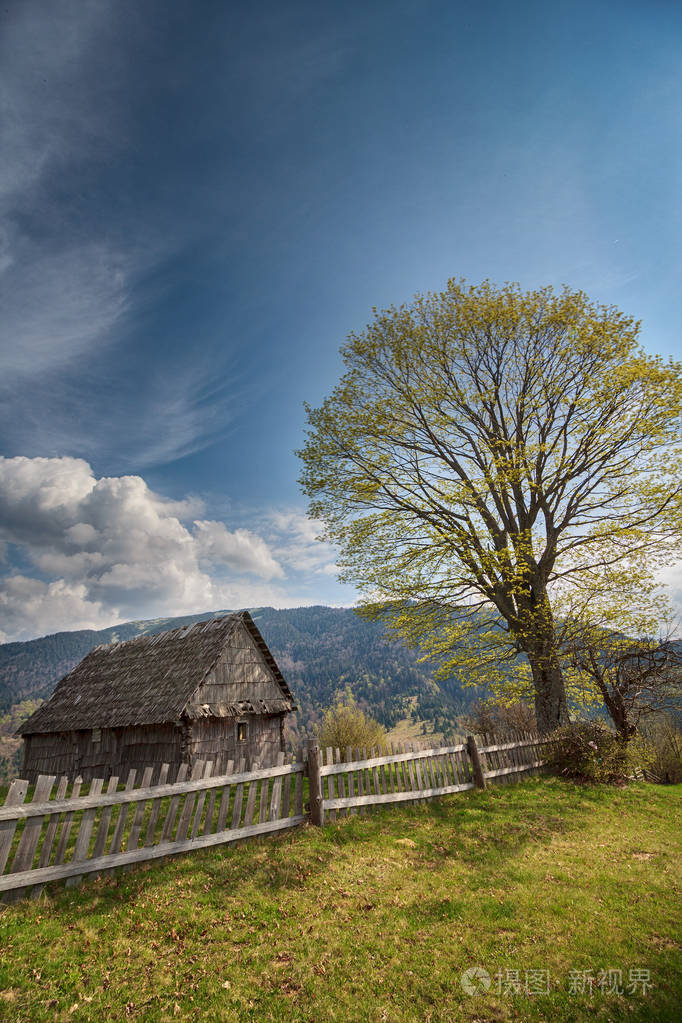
(82, 552)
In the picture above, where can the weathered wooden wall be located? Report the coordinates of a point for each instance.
(215, 739)
(117, 751)
(120, 749)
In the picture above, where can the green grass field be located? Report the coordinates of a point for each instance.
(375, 918)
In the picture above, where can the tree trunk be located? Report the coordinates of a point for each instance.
(539, 642)
(551, 709)
(615, 705)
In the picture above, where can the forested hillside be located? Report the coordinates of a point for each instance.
(320, 650)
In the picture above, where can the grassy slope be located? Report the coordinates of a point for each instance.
(374, 918)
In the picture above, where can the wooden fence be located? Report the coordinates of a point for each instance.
(63, 834)
(351, 780)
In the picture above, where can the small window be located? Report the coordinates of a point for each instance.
(97, 735)
(241, 731)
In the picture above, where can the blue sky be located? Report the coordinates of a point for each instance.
(198, 202)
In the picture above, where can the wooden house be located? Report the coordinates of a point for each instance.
(210, 691)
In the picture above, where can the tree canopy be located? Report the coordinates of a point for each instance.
(488, 454)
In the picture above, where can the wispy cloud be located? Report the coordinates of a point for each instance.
(61, 287)
(72, 254)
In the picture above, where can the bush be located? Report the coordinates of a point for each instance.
(589, 751)
(486, 717)
(345, 724)
(663, 733)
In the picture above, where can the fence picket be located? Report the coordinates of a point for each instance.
(66, 824)
(15, 796)
(331, 782)
(196, 774)
(251, 798)
(286, 795)
(341, 783)
(224, 804)
(173, 806)
(24, 855)
(276, 800)
(136, 828)
(263, 804)
(104, 821)
(156, 806)
(201, 799)
(80, 851)
(117, 837)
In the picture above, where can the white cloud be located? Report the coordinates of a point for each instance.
(30, 606)
(295, 540)
(111, 549)
(241, 550)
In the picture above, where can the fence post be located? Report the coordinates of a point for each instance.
(472, 750)
(315, 781)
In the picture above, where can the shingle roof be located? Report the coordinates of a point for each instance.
(144, 681)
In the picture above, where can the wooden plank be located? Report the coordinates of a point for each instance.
(80, 851)
(341, 783)
(238, 798)
(136, 828)
(212, 794)
(472, 749)
(48, 841)
(275, 802)
(421, 773)
(156, 806)
(286, 795)
(263, 801)
(180, 787)
(201, 799)
(26, 849)
(23, 857)
(360, 779)
(439, 775)
(383, 784)
(349, 774)
(224, 805)
(117, 837)
(515, 770)
(251, 800)
(495, 748)
(298, 795)
(375, 774)
(316, 790)
(15, 796)
(67, 822)
(396, 797)
(197, 773)
(388, 768)
(393, 758)
(332, 782)
(402, 779)
(141, 855)
(103, 828)
(412, 781)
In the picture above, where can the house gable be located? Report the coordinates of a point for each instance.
(243, 681)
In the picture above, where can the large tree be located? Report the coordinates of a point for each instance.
(487, 452)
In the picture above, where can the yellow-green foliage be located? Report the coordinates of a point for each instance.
(345, 724)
